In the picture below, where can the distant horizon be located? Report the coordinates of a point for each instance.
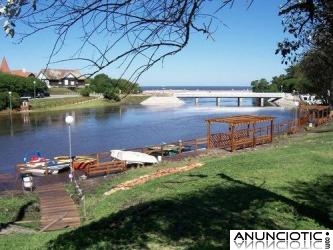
(195, 85)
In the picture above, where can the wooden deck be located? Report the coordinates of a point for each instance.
(58, 210)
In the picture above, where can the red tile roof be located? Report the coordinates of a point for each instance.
(22, 72)
(4, 66)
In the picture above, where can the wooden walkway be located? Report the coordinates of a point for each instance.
(58, 210)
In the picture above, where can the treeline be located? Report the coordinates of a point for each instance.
(111, 89)
(18, 86)
(312, 75)
(291, 82)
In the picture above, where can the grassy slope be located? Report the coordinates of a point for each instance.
(82, 102)
(286, 186)
(14, 208)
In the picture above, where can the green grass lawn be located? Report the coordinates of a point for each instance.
(49, 103)
(46, 104)
(283, 186)
(19, 208)
(61, 91)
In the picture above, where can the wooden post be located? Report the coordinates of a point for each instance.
(161, 150)
(97, 158)
(272, 129)
(180, 146)
(232, 138)
(46, 171)
(248, 130)
(254, 136)
(208, 136)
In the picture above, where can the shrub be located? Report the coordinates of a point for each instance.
(4, 100)
(85, 92)
(112, 94)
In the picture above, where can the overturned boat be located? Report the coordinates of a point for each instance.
(132, 157)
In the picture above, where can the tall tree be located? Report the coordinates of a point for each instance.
(310, 24)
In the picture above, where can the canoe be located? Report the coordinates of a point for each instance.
(132, 157)
(79, 163)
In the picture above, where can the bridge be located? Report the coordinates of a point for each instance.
(196, 94)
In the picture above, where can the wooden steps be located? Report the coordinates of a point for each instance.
(58, 210)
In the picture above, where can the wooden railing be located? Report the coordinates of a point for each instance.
(243, 138)
(104, 168)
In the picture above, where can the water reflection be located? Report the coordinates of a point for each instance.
(102, 129)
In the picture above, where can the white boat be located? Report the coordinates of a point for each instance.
(33, 171)
(132, 157)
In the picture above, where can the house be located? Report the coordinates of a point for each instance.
(61, 78)
(4, 68)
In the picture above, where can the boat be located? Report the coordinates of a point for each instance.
(167, 149)
(36, 161)
(55, 168)
(33, 171)
(132, 157)
(79, 162)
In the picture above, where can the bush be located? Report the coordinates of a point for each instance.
(85, 92)
(112, 94)
(4, 100)
(21, 85)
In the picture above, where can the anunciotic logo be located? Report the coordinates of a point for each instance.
(280, 239)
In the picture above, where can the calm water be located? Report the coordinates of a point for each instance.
(99, 130)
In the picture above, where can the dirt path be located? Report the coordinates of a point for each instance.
(143, 179)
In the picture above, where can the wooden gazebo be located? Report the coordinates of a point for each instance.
(244, 131)
(316, 114)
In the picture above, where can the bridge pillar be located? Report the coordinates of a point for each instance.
(239, 101)
(218, 101)
(262, 102)
(197, 101)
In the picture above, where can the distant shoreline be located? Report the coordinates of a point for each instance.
(194, 87)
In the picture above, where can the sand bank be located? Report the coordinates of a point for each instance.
(162, 100)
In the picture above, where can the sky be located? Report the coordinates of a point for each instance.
(242, 50)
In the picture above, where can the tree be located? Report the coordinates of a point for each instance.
(309, 25)
(314, 62)
(5, 103)
(133, 34)
(100, 83)
(261, 85)
(85, 92)
(112, 94)
(21, 85)
(125, 86)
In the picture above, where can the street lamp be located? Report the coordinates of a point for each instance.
(297, 114)
(69, 120)
(10, 101)
(34, 89)
(10, 113)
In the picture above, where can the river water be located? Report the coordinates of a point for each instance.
(102, 129)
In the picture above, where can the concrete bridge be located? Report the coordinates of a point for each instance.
(196, 94)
